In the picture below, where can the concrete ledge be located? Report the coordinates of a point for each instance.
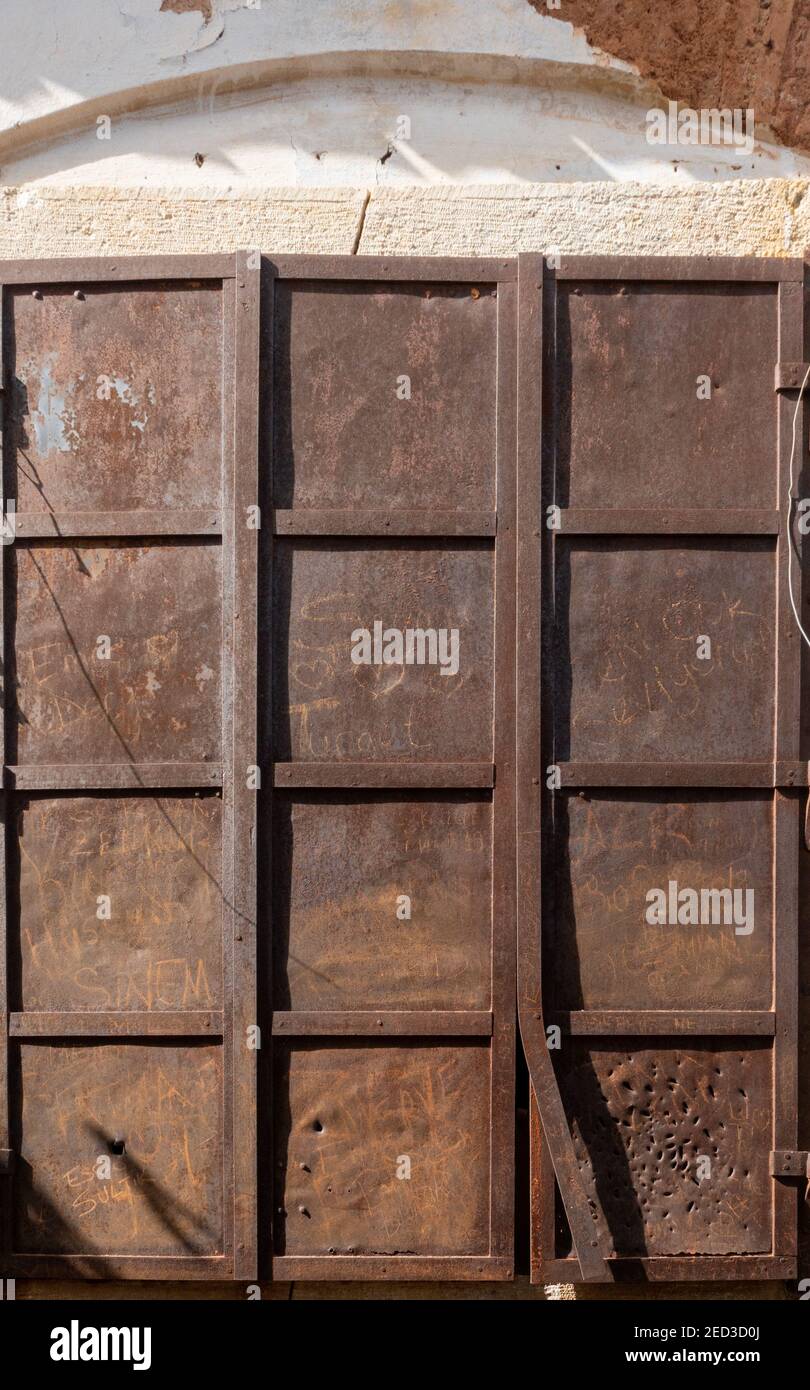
(45, 221)
(763, 217)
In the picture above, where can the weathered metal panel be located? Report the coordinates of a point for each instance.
(158, 859)
(608, 849)
(665, 662)
(153, 693)
(346, 353)
(130, 435)
(644, 1117)
(391, 426)
(629, 685)
(328, 708)
(341, 866)
(78, 1192)
(383, 1149)
(113, 394)
(652, 342)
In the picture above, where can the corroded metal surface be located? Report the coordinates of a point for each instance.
(643, 1118)
(382, 902)
(158, 860)
(391, 829)
(112, 397)
(632, 357)
(383, 1149)
(343, 435)
(78, 1103)
(157, 696)
(665, 665)
(629, 684)
(328, 708)
(127, 876)
(611, 848)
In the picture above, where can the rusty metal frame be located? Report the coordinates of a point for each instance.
(6, 1153)
(240, 304)
(553, 1157)
(499, 528)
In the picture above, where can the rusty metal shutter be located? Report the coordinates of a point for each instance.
(127, 1106)
(667, 409)
(391, 418)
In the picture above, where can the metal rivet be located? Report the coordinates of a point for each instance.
(37, 294)
(78, 294)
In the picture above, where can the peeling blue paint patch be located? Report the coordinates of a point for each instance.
(124, 391)
(117, 388)
(53, 420)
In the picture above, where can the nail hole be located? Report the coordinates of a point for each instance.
(117, 1146)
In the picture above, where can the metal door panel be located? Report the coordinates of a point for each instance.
(644, 1117)
(609, 849)
(160, 608)
(622, 341)
(628, 681)
(343, 351)
(659, 743)
(392, 779)
(127, 590)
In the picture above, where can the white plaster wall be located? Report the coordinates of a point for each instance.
(307, 93)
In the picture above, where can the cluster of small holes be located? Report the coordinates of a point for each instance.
(642, 1119)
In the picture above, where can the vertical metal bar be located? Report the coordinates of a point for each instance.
(264, 679)
(502, 1136)
(240, 535)
(530, 1007)
(229, 1140)
(545, 1197)
(5, 1136)
(786, 805)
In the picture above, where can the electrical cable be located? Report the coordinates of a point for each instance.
(790, 500)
